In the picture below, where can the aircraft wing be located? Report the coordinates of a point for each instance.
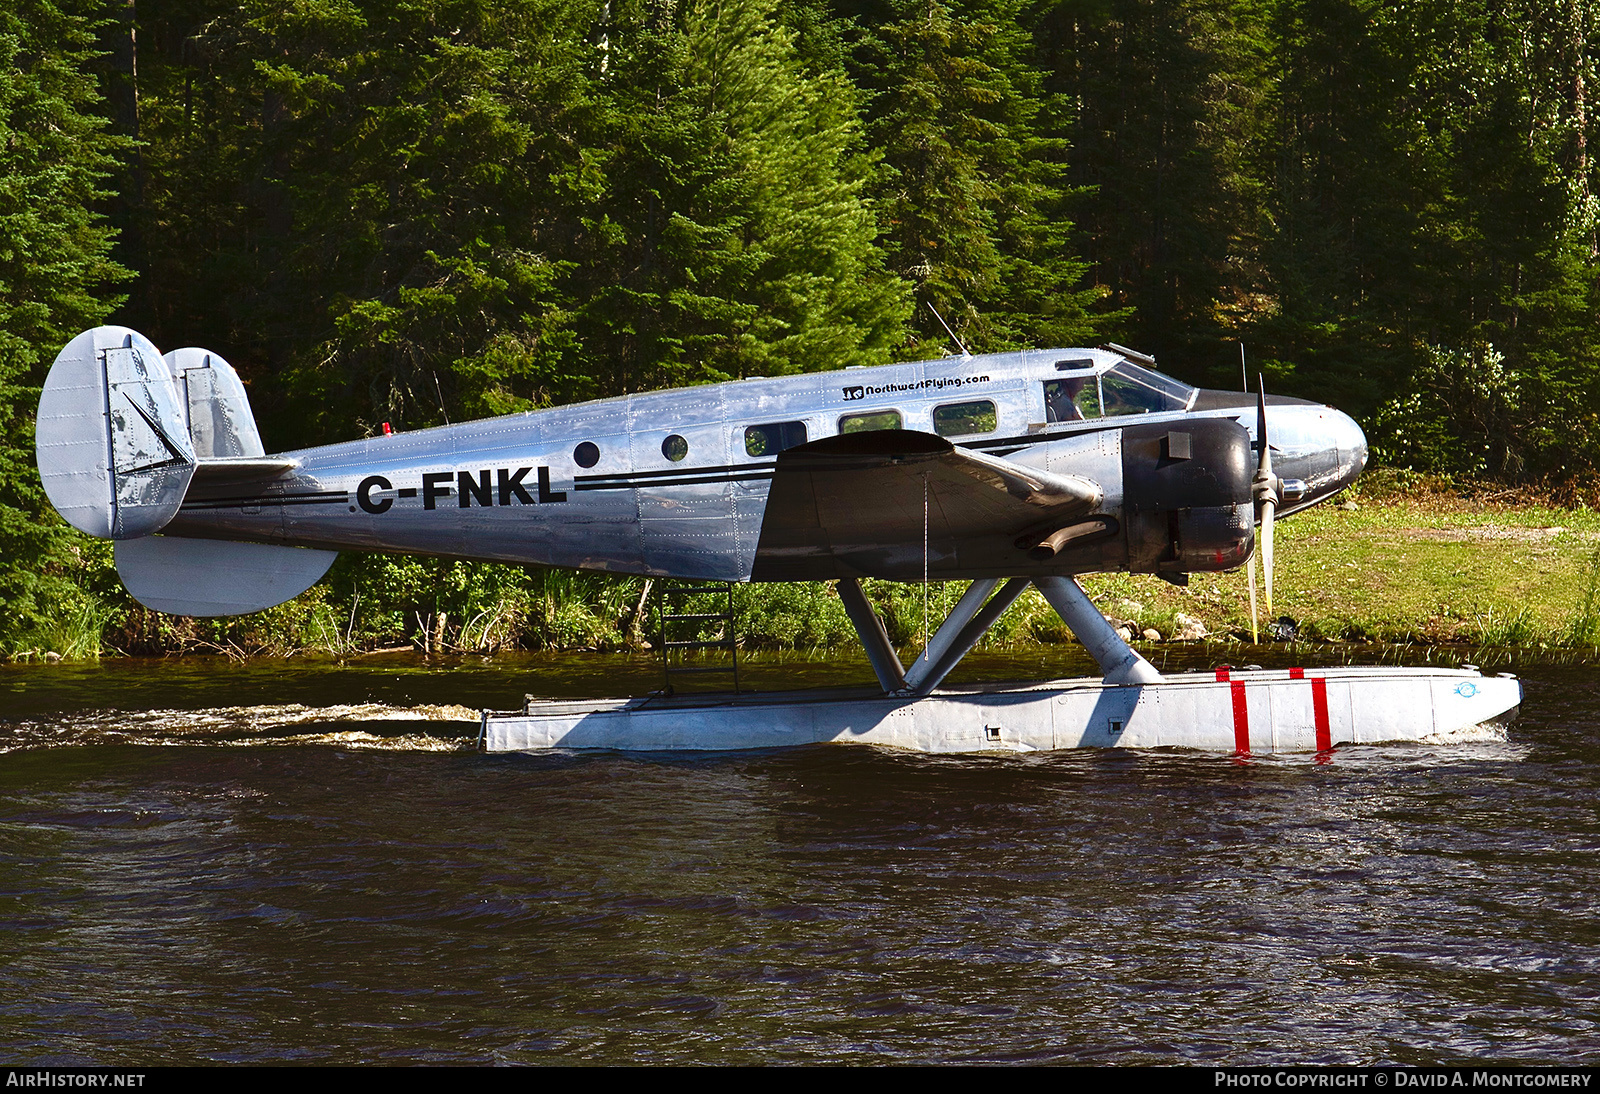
(859, 497)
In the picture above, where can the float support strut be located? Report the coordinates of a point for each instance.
(1118, 660)
(968, 622)
(874, 639)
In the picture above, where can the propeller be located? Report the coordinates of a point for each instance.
(1265, 490)
(1250, 567)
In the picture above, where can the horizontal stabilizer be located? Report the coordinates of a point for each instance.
(242, 469)
(209, 577)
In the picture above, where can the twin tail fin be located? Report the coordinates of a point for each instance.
(122, 433)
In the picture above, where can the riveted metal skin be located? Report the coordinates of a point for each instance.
(698, 483)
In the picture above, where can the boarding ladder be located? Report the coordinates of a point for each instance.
(681, 625)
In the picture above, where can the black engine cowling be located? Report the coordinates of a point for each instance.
(1186, 496)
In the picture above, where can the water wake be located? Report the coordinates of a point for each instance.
(251, 725)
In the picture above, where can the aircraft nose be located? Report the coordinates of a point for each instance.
(1352, 447)
(1319, 449)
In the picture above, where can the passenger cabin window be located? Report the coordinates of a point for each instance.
(958, 419)
(769, 440)
(872, 419)
(1072, 400)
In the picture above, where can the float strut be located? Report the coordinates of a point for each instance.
(1118, 660)
(968, 622)
(874, 639)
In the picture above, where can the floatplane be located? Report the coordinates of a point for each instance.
(1006, 470)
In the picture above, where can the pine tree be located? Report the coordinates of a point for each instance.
(55, 279)
(1433, 204)
(359, 201)
(732, 238)
(465, 206)
(973, 191)
(1170, 98)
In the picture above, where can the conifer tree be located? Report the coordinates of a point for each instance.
(973, 191)
(1432, 204)
(414, 160)
(1170, 98)
(464, 206)
(732, 238)
(55, 279)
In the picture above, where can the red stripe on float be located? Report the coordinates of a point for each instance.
(1297, 674)
(1241, 719)
(1222, 673)
(1319, 711)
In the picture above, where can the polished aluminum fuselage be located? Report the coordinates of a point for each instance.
(512, 489)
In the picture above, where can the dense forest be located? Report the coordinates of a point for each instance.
(405, 210)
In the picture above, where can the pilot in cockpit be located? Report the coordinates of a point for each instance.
(1071, 399)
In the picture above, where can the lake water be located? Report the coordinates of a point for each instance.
(290, 861)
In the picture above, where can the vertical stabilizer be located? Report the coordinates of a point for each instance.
(221, 425)
(113, 439)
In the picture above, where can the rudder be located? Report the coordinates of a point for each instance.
(217, 410)
(112, 441)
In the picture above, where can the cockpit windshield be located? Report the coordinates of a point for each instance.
(1124, 388)
(1128, 389)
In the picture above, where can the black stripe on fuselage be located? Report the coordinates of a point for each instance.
(1102, 425)
(689, 481)
(690, 476)
(749, 472)
(629, 476)
(322, 497)
(1027, 440)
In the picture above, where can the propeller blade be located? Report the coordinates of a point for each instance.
(1268, 513)
(1255, 619)
(1264, 462)
(1266, 492)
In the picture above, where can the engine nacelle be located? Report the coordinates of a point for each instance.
(1186, 496)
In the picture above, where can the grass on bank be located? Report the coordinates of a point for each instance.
(1404, 561)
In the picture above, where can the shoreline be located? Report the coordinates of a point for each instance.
(1404, 562)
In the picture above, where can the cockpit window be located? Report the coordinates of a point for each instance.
(1128, 389)
(1124, 388)
(769, 440)
(1073, 399)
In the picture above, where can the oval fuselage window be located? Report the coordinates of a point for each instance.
(769, 440)
(956, 419)
(872, 419)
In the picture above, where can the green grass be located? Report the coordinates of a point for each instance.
(1415, 563)
(1422, 568)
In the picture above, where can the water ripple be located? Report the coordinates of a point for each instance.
(371, 891)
